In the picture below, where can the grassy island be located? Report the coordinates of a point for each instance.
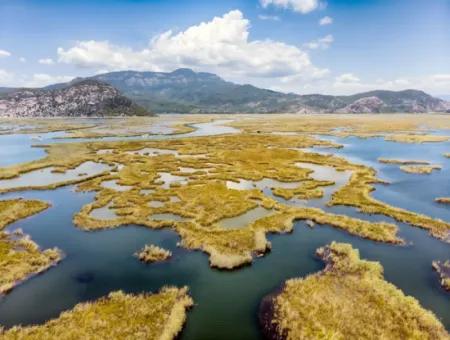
(349, 299)
(151, 253)
(420, 169)
(443, 269)
(117, 316)
(21, 258)
(14, 210)
(402, 161)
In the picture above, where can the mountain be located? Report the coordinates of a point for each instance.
(87, 97)
(187, 91)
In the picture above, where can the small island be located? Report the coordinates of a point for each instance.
(349, 299)
(117, 316)
(420, 169)
(151, 253)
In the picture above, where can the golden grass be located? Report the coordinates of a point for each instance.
(443, 269)
(16, 209)
(206, 199)
(416, 138)
(398, 127)
(356, 193)
(402, 161)
(307, 190)
(151, 253)
(117, 316)
(349, 299)
(420, 169)
(21, 258)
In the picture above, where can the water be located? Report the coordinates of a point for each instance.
(46, 176)
(244, 219)
(227, 303)
(103, 213)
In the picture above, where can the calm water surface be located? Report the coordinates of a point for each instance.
(226, 307)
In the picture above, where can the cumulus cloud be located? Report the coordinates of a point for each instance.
(4, 53)
(221, 45)
(325, 21)
(300, 6)
(269, 17)
(46, 61)
(22, 60)
(321, 43)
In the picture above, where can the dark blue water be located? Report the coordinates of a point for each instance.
(227, 302)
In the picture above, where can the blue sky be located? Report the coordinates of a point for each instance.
(300, 46)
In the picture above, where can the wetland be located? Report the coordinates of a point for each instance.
(230, 207)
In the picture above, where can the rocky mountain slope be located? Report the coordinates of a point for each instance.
(87, 97)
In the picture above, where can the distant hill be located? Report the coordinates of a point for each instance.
(186, 91)
(87, 97)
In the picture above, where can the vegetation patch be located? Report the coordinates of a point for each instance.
(204, 198)
(420, 169)
(117, 316)
(443, 269)
(14, 210)
(356, 193)
(402, 161)
(21, 258)
(349, 299)
(151, 253)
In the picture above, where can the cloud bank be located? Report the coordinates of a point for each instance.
(221, 45)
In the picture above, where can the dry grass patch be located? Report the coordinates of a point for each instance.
(420, 169)
(21, 258)
(402, 161)
(349, 299)
(16, 209)
(151, 253)
(117, 316)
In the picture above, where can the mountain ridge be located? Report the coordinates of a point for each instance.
(187, 91)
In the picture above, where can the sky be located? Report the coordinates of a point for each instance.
(300, 46)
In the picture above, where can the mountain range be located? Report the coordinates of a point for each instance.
(186, 91)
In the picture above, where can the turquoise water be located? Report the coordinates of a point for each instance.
(227, 303)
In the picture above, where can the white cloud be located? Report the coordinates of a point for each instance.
(347, 78)
(22, 60)
(5, 77)
(326, 21)
(4, 53)
(221, 45)
(10, 79)
(321, 43)
(42, 79)
(269, 17)
(46, 61)
(301, 6)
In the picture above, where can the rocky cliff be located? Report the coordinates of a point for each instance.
(83, 98)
